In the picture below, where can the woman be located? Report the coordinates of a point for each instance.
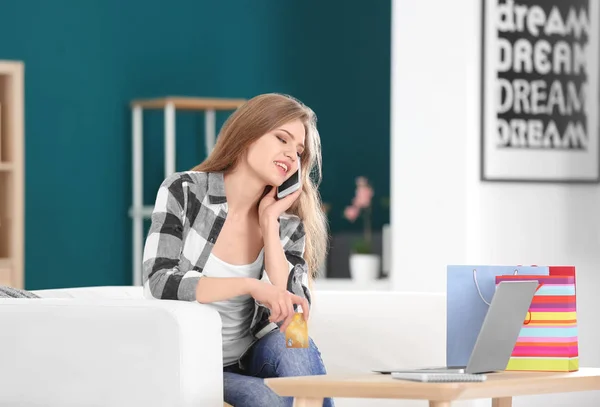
(220, 236)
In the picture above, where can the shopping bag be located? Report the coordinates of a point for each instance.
(548, 340)
(469, 291)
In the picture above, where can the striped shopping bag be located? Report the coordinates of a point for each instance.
(548, 339)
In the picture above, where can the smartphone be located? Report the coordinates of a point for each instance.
(290, 185)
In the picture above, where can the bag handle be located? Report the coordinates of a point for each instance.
(479, 290)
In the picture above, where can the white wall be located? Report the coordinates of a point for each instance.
(428, 162)
(441, 213)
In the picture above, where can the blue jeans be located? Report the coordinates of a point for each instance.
(269, 357)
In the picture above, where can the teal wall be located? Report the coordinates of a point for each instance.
(85, 60)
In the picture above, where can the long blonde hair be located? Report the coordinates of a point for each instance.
(256, 117)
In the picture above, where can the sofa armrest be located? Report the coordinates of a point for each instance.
(73, 352)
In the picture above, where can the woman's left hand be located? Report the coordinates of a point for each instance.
(270, 208)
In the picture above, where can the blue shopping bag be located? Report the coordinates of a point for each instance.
(469, 291)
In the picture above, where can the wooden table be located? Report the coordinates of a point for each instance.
(309, 391)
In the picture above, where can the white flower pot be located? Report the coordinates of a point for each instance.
(364, 267)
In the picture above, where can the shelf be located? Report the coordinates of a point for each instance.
(208, 106)
(5, 272)
(12, 173)
(6, 214)
(189, 103)
(145, 212)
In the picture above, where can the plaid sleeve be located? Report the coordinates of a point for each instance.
(294, 241)
(162, 267)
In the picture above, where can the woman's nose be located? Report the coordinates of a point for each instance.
(291, 155)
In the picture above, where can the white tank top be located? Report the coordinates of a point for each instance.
(236, 313)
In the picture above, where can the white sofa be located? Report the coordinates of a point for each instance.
(107, 346)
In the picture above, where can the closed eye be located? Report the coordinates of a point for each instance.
(284, 141)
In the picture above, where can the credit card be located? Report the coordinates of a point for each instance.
(296, 334)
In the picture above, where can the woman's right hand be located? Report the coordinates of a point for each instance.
(280, 301)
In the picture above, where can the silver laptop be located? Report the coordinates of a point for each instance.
(498, 334)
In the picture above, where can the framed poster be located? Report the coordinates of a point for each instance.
(539, 91)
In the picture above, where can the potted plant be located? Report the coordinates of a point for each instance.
(364, 264)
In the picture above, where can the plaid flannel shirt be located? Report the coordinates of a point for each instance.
(188, 215)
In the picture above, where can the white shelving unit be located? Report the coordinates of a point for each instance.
(138, 212)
